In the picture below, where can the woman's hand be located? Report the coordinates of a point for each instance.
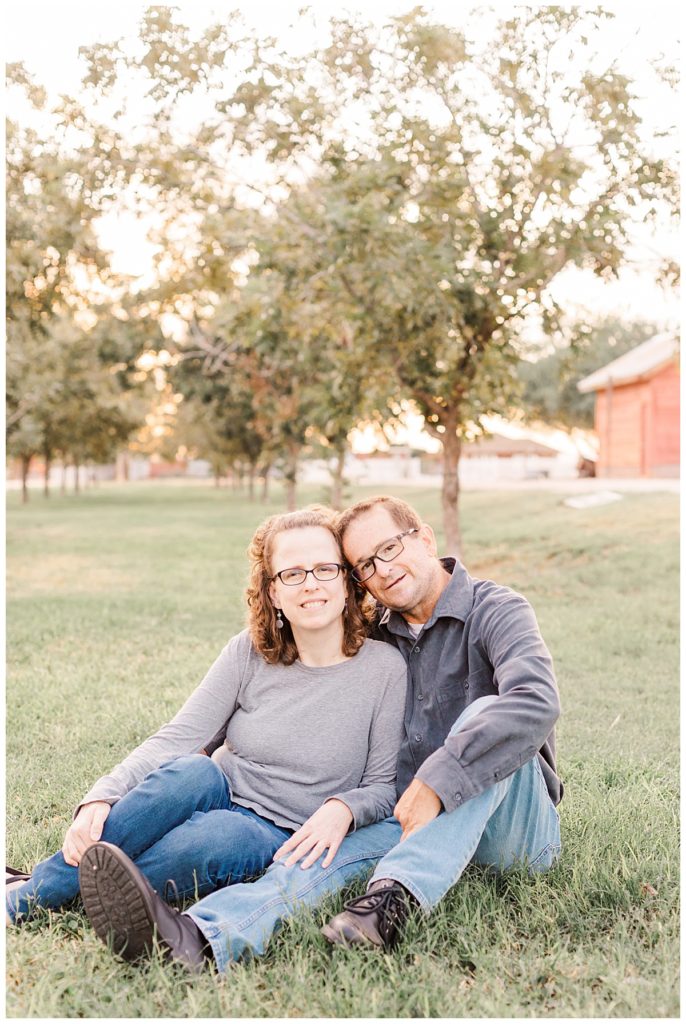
(327, 827)
(85, 829)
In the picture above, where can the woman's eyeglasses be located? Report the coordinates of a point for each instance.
(325, 572)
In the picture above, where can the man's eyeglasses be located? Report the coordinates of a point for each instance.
(386, 552)
(325, 572)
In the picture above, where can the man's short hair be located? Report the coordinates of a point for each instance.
(403, 515)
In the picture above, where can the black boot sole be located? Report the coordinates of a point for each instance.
(115, 904)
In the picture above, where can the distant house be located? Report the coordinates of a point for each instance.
(497, 457)
(637, 410)
(159, 467)
(506, 447)
(398, 463)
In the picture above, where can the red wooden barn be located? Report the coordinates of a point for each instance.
(637, 410)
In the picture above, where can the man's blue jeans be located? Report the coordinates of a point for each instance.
(180, 824)
(513, 821)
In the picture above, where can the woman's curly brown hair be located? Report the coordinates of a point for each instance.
(277, 646)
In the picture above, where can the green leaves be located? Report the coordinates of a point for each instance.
(344, 228)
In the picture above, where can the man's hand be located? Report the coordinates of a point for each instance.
(326, 828)
(416, 807)
(85, 829)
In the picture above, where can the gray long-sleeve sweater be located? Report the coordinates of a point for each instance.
(295, 735)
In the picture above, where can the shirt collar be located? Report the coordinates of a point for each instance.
(455, 601)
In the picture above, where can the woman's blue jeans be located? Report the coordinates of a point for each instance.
(179, 823)
(513, 821)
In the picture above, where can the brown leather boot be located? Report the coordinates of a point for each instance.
(374, 919)
(123, 908)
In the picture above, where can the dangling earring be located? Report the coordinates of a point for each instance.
(279, 620)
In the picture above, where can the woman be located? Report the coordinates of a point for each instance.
(310, 714)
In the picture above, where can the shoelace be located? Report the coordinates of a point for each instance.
(390, 905)
(171, 884)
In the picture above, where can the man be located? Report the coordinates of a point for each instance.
(476, 771)
(477, 768)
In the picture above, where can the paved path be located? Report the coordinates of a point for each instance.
(563, 485)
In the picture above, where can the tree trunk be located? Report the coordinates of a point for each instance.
(265, 483)
(291, 495)
(76, 477)
(337, 479)
(25, 463)
(63, 479)
(122, 467)
(291, 478)
(46, 475)
(450, 492)
(251, 481)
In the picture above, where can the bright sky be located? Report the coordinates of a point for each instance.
(46, 36)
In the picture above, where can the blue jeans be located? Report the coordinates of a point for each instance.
(180, 824)
(513, 821)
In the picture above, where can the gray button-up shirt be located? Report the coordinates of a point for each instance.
(481, 639)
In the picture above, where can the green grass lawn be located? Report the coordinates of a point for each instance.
(121, 598)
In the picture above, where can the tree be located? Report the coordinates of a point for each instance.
(458, 172)
(464, 192)
(249, 362)
(59, 177)
(88, 420)
(216, 419)
(24, 443)
(77, 413)
(280, 352)
(318, 343)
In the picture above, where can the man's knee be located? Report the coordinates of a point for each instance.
(356, 855)
(471, 711)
